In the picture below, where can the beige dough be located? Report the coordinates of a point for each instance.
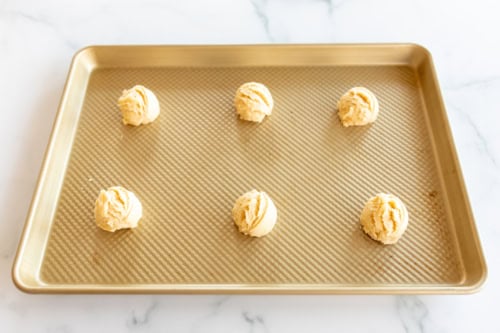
(358, 107)
(255, 214)
(117, 208)
(384, 218)
(139, 106)
(253, 101)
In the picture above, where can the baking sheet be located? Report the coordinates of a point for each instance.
(190, 165)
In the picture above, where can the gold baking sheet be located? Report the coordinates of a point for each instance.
(190, 165)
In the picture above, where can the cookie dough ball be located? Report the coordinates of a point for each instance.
(358, 107)
(139, 106)
(384, 218)
(255, 214)
(253, 101)
(117, 208)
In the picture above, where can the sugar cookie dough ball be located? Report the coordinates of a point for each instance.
(139, 106)
(384, 218)
(116, 208)
(253, 101)
(255, 214)
(358, 107)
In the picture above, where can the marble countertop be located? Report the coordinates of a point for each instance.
(37, 41)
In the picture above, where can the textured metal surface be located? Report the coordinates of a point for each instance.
(189, 166)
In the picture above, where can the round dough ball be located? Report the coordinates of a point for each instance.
(117, 208)
(384, 218)
(255, 214)
(358, 107)
(253, 101)
(139, 106)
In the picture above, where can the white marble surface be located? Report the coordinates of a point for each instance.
(37, 41)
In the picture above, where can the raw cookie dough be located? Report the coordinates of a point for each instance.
(255, 214)
(253, 101)
(139, 106)
(384, 218)
(358, 107)
(117, 208)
